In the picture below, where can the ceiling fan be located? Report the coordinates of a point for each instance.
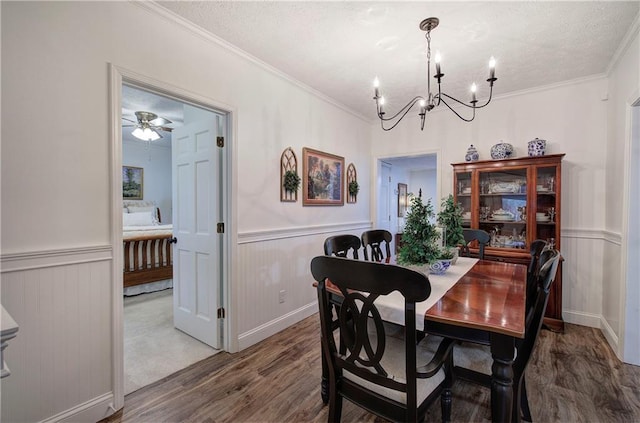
(148, 126)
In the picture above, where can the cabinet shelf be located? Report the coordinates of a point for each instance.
(523, 175)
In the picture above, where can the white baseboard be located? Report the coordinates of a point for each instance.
(91, 411)
(582, 319)
(610, 336)
(268, 329)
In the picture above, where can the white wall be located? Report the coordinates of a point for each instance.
(156, 162)
(624, 90)
(572, 118)
(56, 197)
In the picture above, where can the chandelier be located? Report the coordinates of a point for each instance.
(431, 100)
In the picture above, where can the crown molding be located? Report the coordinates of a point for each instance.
(624, 45)
(170, 16)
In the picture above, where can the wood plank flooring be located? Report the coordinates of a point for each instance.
(572, 377)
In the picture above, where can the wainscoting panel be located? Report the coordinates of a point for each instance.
(269, 263)
(62, 355)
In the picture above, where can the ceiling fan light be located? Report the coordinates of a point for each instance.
(146, 134)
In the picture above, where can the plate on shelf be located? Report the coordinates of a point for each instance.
(543, 219)
(502, 219)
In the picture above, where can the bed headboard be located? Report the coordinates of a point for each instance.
(142, 203)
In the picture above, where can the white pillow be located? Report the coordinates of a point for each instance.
(138, 219)
(139, 209)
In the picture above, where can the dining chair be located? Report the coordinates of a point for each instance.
(382, 370)
(479, 235)
(536, 248)
(341, 245)
(375, 240)
(473, 361)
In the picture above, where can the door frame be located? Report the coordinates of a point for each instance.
(117, 77)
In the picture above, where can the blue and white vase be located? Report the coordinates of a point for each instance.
(502, 150)
(536, 147)
(472, 154)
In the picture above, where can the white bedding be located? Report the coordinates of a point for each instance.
(129, 232)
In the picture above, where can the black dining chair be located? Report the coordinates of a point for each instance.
(373, 242)
(471, 235)
(473, 361)
(384, 371)
(535, 249)
(342, 245)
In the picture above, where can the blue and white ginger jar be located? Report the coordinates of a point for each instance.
(502, 150)
(472, 154)
(536, 147)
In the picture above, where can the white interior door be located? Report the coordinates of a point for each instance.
(196, 211)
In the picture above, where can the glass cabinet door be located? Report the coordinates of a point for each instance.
(503, 207)
(463, 196)
(546, 207)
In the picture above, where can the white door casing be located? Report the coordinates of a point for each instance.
(196, 209)
(384, 201)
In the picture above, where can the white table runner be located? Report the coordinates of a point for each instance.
(391, 307)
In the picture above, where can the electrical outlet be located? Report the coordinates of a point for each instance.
(281, 296)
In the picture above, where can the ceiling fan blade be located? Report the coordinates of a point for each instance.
(163, 128)
(127, 126)
(159, 121)
(129, 120)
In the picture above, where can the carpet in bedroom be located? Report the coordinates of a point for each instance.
(153, 348)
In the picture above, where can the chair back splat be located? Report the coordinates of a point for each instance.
(373, 242)
(342, 245)
(479, 235)
(381, 369)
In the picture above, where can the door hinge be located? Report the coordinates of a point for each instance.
(220, 228)
(221, 313)
(220, 141)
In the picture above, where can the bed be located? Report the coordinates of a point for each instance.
(146, 245)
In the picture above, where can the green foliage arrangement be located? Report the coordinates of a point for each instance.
(419, 239)
(291, 181)
(354, 188)
(450, 218)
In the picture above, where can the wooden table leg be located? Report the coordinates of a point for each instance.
(502, 350)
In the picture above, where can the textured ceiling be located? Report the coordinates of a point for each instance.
(338, 48)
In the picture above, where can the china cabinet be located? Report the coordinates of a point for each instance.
(516, 201)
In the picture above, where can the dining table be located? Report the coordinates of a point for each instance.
(479, 301)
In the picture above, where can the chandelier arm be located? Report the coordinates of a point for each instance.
(458, 114)
(456, 100)
(406, 109)
(401, 117)
(489, 100)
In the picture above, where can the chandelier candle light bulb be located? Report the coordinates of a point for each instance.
(430, 100)
(473, 94)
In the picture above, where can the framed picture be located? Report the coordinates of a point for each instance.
(132, 183)
(402, 199)
(323, 178)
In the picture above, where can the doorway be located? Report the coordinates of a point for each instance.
(219, 153)
(421, 176)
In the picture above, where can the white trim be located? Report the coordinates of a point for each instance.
(624, 45)
(273, 234)
(208, 36)
(93, 410)
(49, 258)
(268, 329)
(599, 234)
(117, 328)
(610, 336)
(581, 318)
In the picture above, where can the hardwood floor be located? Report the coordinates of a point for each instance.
(572, 377)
